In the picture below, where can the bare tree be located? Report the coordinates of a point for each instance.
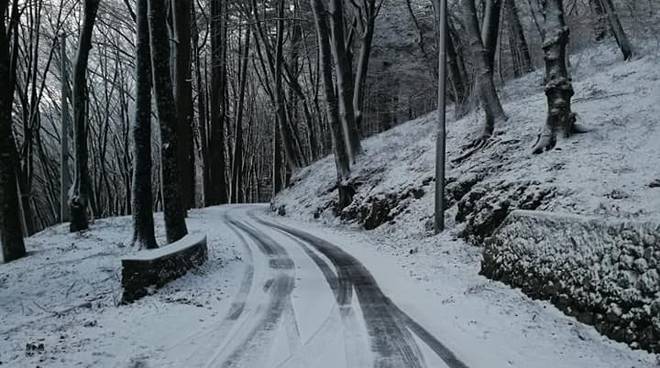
(183, 96)
(216, 193)
(237, 165)
(619, 33)
(65, 179)
(522, 60)
(142, 204)
(490, 29)
(558, 89)
(79, 194)
(339, 143)
(175, 223)
(11, 234)
(344, 74)
(490, 101)
(368, 12)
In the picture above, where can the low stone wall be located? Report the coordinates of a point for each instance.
(155, 268)
(605, 273)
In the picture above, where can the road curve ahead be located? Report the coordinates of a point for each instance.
(306, 302)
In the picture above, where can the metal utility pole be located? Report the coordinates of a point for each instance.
(440, 144)
(66, 127)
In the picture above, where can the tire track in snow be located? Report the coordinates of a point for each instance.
(356, 353)
(389, 327)
(279, 290)
(216, 333)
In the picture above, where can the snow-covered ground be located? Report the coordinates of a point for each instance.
(607, 172)
(266, 300)
(58, 306)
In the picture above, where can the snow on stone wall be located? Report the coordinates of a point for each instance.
(155, 268)
(603, 272)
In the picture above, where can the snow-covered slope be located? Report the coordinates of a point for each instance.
(609, 171)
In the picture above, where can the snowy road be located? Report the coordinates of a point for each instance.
(305, 302)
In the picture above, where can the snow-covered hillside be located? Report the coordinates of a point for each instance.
(613, 170)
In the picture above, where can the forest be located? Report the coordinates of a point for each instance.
(167, 109)
(242, 94)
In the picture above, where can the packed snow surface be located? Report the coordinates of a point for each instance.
(274, 294)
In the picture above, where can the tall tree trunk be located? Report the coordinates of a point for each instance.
(490, 101)
(345, 84)
(175, 223)
(291, 152)
(339, 143)
(490, 29)
(371, 10)
(142, 200)
(65, 179)
(11, 233)
(237, 165)
(217, 191)
(277, 160)
(522, 60)
(183, 97)
(202, 108)
(558, 88)
(456, 71)
(620, 35)
(79, 195)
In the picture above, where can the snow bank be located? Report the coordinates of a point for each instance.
(155, 268)
(603, 272)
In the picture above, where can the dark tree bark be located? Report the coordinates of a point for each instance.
(142, 200)
(344, 74)
(490, 29)
(490, 101)
(237, 165)
(370, 10)
(217, 191)
(456, 71)
(558, 88)
(290, 150)
(522, 60)
(79, 195)
(202, 116)
(11, 233)
(339, 145)
(175, 223)
(183, 97)
(65, 179)
(620, 35)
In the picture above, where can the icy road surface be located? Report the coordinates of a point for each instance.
(305, 302)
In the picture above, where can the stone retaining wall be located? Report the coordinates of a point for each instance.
(155, 268)
(603, 272)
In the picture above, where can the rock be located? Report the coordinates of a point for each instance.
(655, 183)
(650, 282)
(640, 265)
(281, 210)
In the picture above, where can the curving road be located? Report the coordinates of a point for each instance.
(305, 302)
